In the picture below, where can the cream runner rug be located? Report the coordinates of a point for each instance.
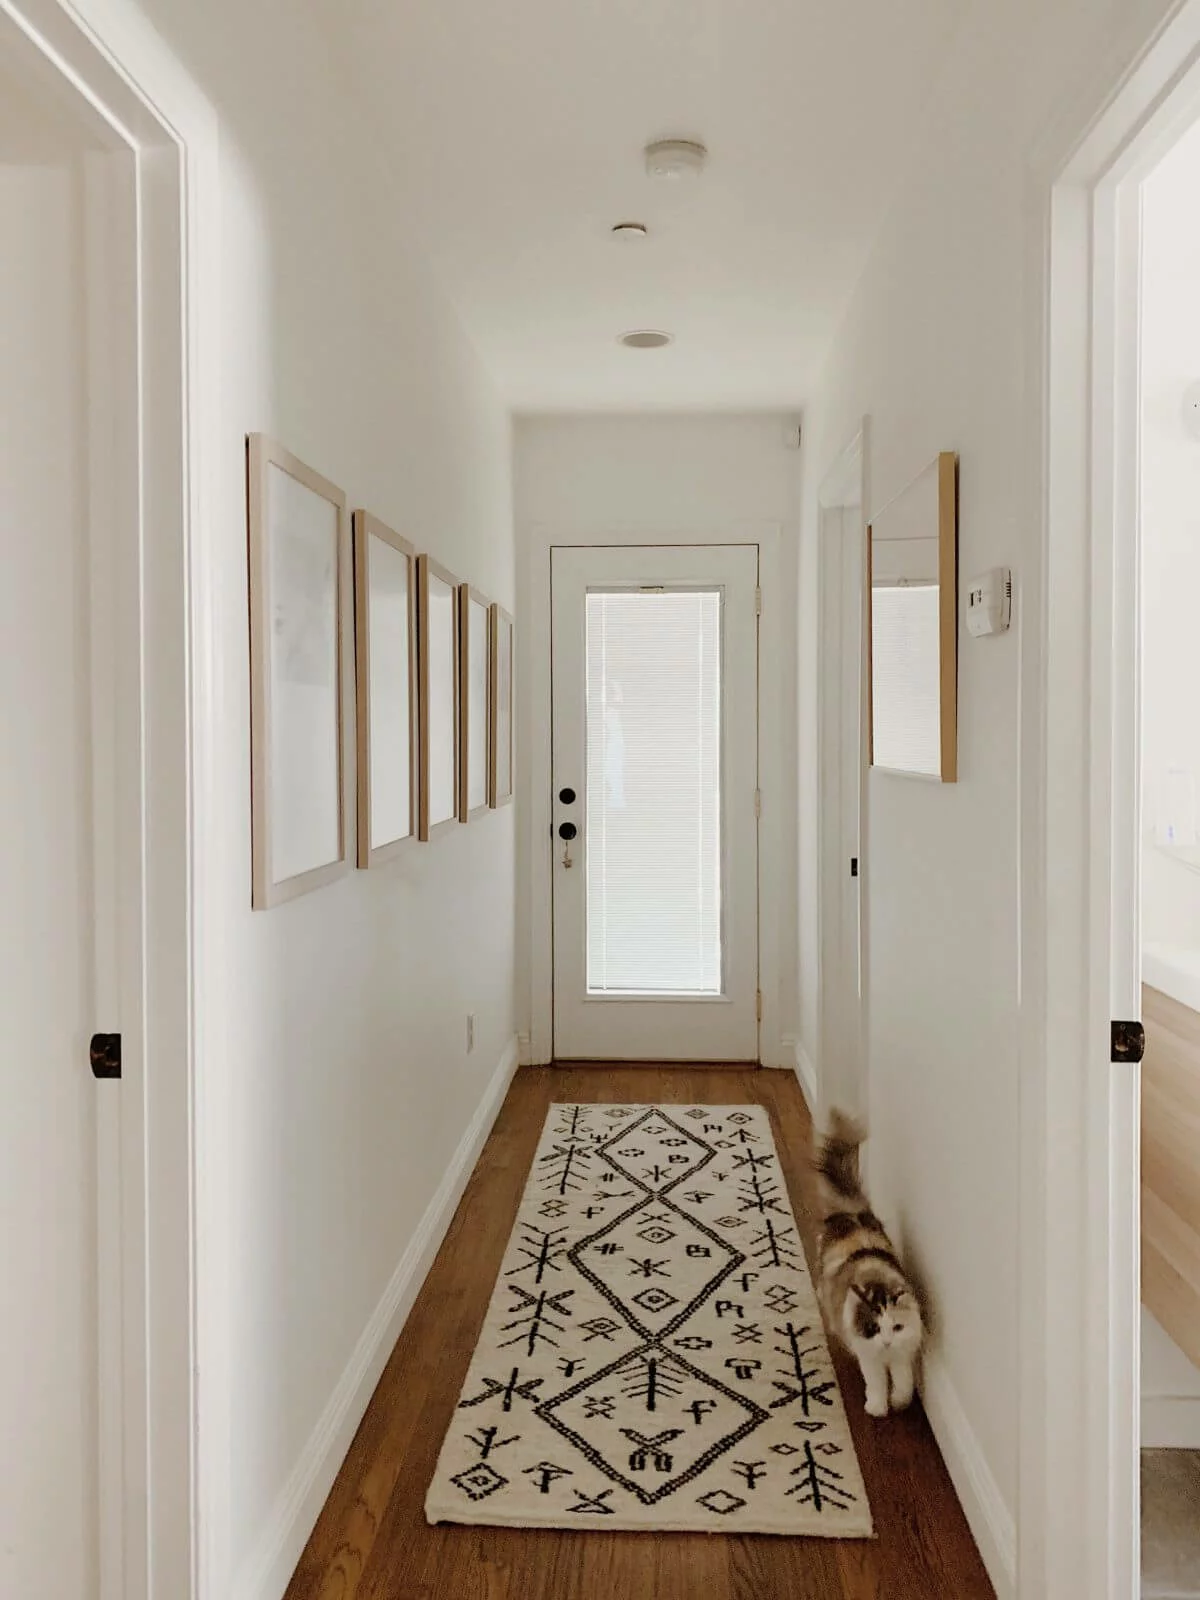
(653, 1355)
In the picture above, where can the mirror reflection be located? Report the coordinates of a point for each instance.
(913, 666)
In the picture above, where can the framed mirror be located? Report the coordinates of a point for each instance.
(385, 650)
(438, 696)
(912, 564)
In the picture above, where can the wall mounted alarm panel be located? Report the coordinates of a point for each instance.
(989, 602)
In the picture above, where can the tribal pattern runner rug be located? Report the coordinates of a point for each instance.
(653, 1356)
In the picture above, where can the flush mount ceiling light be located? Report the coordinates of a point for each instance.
(674, 159)
(645, 339)
(629, 230)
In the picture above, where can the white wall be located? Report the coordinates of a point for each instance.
(663, 478)
(1170, 531)
(1170, 1391)
(338, 1028)
(933, 348)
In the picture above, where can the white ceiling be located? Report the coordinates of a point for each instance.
(515, 132)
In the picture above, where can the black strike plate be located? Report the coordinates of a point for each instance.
(1128, 1042)
(106, 1055)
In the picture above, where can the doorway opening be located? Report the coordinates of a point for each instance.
(1105, 761)
(1169, 870)
(840, 1077)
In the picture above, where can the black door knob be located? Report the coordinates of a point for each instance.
(567, 830)
(567, 796)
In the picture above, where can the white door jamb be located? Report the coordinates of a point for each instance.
(1079, 1368)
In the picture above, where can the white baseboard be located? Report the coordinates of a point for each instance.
(990, 1519)
(1171, 1422)
(802, 1064)
(267, 1570)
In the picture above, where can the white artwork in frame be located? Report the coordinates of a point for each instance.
(500, 755)
(385, 655)
(474, 731)
(299, 585)
(438, 696)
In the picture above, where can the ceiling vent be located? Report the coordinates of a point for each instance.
(645, 339)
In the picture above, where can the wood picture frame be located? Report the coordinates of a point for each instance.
(300, 674)
(912, 627)
(385, 653)
(500, 741)
(438, 698)
(475, 703)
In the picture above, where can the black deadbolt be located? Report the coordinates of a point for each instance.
(567, 796)
(567, 830)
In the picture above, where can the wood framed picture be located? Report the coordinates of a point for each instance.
(299, 674)
(475, 671)
(500, 753)
(385, 648)
(438, 696)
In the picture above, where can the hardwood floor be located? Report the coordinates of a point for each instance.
(372, 1541)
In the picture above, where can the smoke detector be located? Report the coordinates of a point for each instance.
(645, 339)
(628, 231)
(675, 159)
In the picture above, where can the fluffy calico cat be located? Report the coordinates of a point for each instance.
(868, 1302)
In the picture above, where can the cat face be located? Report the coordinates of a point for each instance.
(883, 1316)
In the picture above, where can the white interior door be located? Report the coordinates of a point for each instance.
(65, 795)
(841, 765)
(655, 767)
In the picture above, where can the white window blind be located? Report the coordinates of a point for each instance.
(654, 792)
(906, 706)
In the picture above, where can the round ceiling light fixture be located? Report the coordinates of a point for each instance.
(674, 159)
(629, 230)
(645, 339)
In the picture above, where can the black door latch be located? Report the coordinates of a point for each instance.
(106, 1055)
(1128, 1042)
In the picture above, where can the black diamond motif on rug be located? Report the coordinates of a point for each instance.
(479, 1481)
(686, 1421)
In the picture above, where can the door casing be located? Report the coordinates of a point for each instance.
(1078, 853)
(534, 664)
(153, 265)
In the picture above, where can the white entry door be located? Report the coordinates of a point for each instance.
(655, 770)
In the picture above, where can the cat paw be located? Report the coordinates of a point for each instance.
(876, 1407)
(902, 1399)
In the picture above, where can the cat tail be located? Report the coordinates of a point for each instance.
(837, 1164)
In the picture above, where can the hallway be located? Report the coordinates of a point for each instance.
(590, 533)
(372, 1541)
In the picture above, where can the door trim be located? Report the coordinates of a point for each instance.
(111, 62)
(843, 489)
(662, 1032)
(534, 661)
(1079, 1179)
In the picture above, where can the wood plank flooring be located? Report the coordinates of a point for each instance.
(372, 1541)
